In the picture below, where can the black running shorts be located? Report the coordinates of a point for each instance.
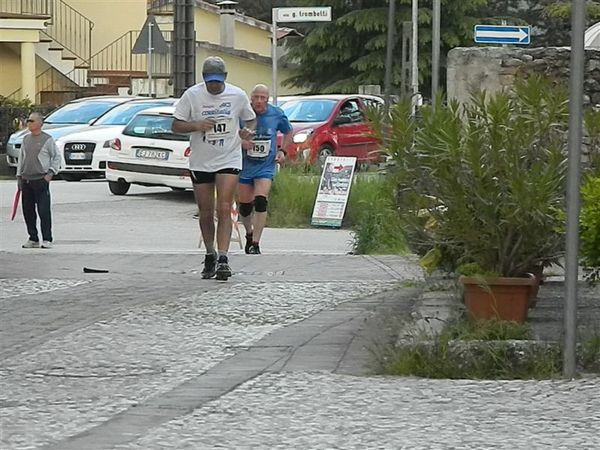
(209, 177)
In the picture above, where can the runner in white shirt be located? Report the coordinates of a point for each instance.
(211, 112)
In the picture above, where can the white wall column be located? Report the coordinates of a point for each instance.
(28, 73)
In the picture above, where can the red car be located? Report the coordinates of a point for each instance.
(327, 125)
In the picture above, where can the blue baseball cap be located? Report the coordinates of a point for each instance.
(213, 69)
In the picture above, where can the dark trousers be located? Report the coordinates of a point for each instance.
(36, 193)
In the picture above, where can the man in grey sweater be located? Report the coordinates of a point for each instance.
(39, 161)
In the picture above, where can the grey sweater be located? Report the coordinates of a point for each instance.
(39, 156)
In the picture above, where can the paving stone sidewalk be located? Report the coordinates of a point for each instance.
(150, 357)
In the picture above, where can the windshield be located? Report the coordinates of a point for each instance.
(153, 126)
(80, 112)
(308, 110)
(122, 114)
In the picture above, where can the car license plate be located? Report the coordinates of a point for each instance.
(151, 154)
(77, 156)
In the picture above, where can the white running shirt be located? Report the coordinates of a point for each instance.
(220, 148)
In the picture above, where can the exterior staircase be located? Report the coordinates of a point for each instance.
(65, 46)
(73, 70)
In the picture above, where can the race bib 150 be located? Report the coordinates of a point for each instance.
(260, 148)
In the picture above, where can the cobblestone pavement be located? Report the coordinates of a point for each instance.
(148, 356)
(140, 341)
(304, 410)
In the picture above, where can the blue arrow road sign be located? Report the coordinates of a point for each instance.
(502, 34)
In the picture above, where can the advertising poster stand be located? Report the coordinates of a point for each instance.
(333, 192)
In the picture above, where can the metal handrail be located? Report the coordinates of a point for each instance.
(71, 30)
(117, 56)
(49, 80)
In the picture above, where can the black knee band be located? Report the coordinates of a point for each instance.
(260, 203)
(246, 209)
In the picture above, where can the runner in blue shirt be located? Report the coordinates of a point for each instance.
(260, 156)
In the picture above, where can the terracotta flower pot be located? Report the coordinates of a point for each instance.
(504, 298)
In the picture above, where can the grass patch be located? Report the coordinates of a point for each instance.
(370, 212)
(485, 350)
(374, 219)
(292, 198)
(489, 330)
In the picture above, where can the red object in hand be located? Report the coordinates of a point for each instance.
(15, 204)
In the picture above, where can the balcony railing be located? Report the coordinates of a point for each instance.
(160, 7)
(66, 27)
(26, 7)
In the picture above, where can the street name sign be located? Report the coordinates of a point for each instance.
(502, 34)
(307, 14)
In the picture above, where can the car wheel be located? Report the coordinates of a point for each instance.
(324, 152)
(119, 187)
(71, 176)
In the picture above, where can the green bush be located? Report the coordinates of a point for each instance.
(590, 227)
(484, 182)
(592, 126)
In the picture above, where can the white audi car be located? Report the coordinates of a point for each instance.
(148, 153)
(84, 152)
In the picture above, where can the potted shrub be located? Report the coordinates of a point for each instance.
(484, 183)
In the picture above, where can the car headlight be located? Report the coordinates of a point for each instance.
(302, 136)
(107, 143)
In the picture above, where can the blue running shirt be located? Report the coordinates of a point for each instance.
(267, 126)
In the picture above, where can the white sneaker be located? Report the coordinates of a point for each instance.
(46, 244)
(31, 244)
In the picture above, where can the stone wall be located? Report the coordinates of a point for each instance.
(495, 68)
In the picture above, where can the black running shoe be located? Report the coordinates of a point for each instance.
(223, 269)
(248, 243)
(210, 266)
(254, 249)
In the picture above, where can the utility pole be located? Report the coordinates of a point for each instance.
(415, 54)
(573, 197)
(184, 47)
(389, 53)
(435, 51)
(274, 55)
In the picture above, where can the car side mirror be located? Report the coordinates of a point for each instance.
(340, 120)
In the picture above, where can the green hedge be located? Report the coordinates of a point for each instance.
(590, 227)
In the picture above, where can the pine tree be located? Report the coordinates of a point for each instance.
(350, 51)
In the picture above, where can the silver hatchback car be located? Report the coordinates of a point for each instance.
(68, 118)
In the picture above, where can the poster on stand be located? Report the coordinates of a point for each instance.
(334, 188)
